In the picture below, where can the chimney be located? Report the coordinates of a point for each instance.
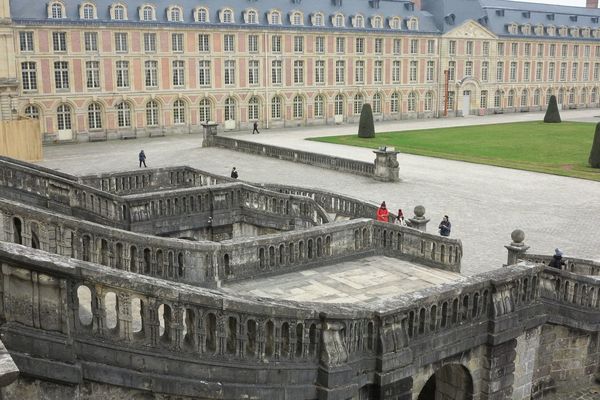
(417, 4)
(591, 4)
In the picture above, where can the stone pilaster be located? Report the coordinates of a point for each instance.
(498, 371)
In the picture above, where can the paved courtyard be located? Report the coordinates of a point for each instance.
(484, 203)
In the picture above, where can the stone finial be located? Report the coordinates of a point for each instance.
(419, 221)
(517, 247)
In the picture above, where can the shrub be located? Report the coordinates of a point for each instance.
(594, 159)
(366, 127)
(552, 114)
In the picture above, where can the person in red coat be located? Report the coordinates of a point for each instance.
(383, 214)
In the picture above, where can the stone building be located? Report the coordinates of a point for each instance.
(91, 70)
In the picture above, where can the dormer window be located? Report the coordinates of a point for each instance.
(377, 22)
(56, 10)
(396, 23)
(526, 14)
(539, 30)
(551, 30)
(596, 33)
(175, 14)
(413, 24)
(574, 32)
(409, 6)
(148, 13)
(585, 32)
(500, 13)
(573, 18)
(374, 3)
(275, 18)
(88, 11)
(251, 17)
(359, 21)
(550, 17)
(297, 18)
(338, 20)
(526, 29)
(227, 16)
(594, 20)
(118, 12)
(512, 29)
(450, 18)
(336, 3)
(563, 31)
(318, 19)
(202, 15)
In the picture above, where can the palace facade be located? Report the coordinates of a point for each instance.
(101, 69)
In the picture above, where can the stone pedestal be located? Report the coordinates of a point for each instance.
(419, 221)
(517, 247)
(209, 132)
(387, 168)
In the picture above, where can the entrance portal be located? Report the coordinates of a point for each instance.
(466, 108)
(452, 382)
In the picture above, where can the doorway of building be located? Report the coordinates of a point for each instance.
(466, 108)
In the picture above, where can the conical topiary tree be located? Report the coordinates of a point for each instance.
(552, 114)
(366, 128)
(594, 159)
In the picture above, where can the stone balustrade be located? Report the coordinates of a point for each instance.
(575, 265)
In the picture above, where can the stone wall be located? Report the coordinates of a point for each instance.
(527, 350)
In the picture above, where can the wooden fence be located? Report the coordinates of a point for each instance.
(21, 139)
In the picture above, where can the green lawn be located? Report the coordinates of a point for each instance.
(560, 149)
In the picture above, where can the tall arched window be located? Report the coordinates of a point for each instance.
(561, 96)
(498, 99)
(524, 98)
(412, 102)
(94, 116)
(583, 99)
(32, 111)
(148, 13)
(548, 95)
(229, 109)
(276, 107)
(395, 103)
(63, 117)
(57, 11)
(152, 111)
(358, 103)
(319, 106)
(205, 110)
(179, 112)
(124, 115)
(536, 97)
(511, 98)
(428, 101)
(338, 105)
(377, 103)
(298, 106)
(594, 98)
(572, 96)
(253, 108)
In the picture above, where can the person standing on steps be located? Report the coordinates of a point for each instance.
(445, 226)
(142, 157)
(255, 127)
(234, 173)
(557, 260)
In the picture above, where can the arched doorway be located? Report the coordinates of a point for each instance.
(451, 382)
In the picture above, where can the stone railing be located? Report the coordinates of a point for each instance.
(304, 157)
(574, 265)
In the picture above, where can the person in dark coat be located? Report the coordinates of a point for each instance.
(142, 157)
(557, 261)
(234, 173)
(255, 127)
(445, 226)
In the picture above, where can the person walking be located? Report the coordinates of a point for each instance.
(383, 214)
(557, 261)
(234, 173)
(445, 226)
(255, 127)
(142, 157)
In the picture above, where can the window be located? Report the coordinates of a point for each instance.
(378, 45)
(576, 50)
(378, 71)
(175, 14)
(469, 68)
(90, 40)
(63, 117)
(94, 116)
(150, 42)
(29, 76)
(205, 110)
(452, 48)
(253, 71)
(513, 71)
(276, 44)
(204, 73)
(536, 97)
(59, 41)
(253, 107)
(540, 50)
(428, 105)
(229, 72)
(179, 112)
(202, 15)
(358, 103)
(413, 71)
(564, 50)
(483, 100)
(551, 68)
(526, 70)
(414, 46)
(396, 67)
(276, 72)
(594, 97)
(119, 12)
(320, 44)
(538, 71)
(586, 72)
(431, 47)
(203, 43)
(486, 49)
(359, 72)
(122, 74)
(395, 23)
(26, 41)
(228, 42)
(298, 44)
(563, 71)
(61, 75)
(177, 42)
(298, 71)
(88, 12)
(376, 22)
(319, 106)
(297, 19)
(500, 71)
(338, 21)
(552, 50)
(497, 99)
(318, 20)
(430, 71)
(340, 45)
(586, 51)
(412, 102)
(514, 49)
(227, 16)
(276, 107)
(298, 107)
(338, 105)
(152, 113)
(469, 48)
(575, 71)
(121, 42)
(178, 73)
(376, 103)
(229, 109)
(253, 43)
(32, 112)
(412, 24)
(92, 73)
(147, 13)
(397, 46)
(57, 11)
(340, 71)
(394, 103)
(451, 71)
(320, 71)
(500, 49)
(124, 115)
(151, 74)
(524, 98)
(511, 98)
(360, 45)
(275, 18)
(527, 49)
(485, 67)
